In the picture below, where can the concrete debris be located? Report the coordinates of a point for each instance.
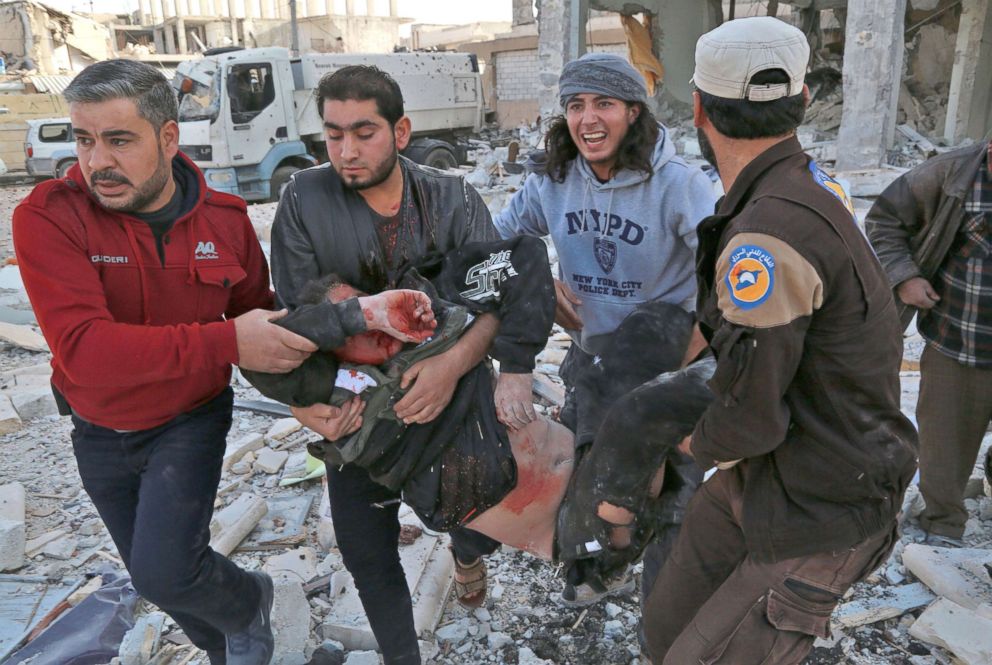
(23, 336)
(36, 545)
(299, 565)
(37, 403)
(362, 658)
(61, 548)
(328, 653)
(527, 657)
(232, 524)
(270, 461)
(12, 526)
(9, 420)
(966, 634)
(282, 428)
(143, 640)
(237, 449)
(290, 622)
(960, 575)
(84, 592)
(283, 526)
(889, 603)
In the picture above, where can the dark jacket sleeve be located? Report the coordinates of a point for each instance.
(750, 416)
(480, 226)
(327, 325)
(512, 279)
(293, 260)
(891, 223)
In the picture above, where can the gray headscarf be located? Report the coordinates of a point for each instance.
(602, 74)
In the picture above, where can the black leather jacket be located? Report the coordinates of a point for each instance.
(322, 227)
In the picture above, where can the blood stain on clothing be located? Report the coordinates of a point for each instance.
(532, 484)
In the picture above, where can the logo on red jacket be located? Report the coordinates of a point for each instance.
(205, 250)
(751, 277)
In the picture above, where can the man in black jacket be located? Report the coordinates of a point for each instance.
(812, 451)
(930, 229)
(365, 216)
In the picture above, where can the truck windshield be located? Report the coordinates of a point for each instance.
(199, 95)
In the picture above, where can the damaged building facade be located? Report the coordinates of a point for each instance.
(931, 59)
(323, 26)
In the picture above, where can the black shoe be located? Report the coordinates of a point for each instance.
(254, 644)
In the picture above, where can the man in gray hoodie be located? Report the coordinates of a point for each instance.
(621, 209)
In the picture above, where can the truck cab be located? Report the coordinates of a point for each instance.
(248, 117)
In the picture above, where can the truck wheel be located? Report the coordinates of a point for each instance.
(279, 179)
(441, 158)
(63, 168)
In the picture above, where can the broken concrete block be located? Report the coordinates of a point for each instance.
(362, 658)
(232, 524)
(527, 657)
(236, 450)
(957, 629)
(35, 545)
(885, 603)
(9, 420)
(22, 336)
(270, 461)
(912, 504)
(142, 642)
(282, 428)
(12, 539)
(960, 575)
(61, 548)
(36, 403)
(299, 565)
(975, 485)
(290, 622)
(12, 502)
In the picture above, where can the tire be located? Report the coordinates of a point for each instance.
(279, 179)
(440, 158)
(63, 168)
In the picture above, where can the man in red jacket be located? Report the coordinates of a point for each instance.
(148, 286)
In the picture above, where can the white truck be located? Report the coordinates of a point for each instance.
(249, 117)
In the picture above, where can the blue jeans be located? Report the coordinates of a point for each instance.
(155, 490)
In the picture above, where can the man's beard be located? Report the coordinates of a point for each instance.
(378, 173)
(143, 195)
(706, 148)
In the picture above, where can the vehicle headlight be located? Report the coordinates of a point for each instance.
(221, 177)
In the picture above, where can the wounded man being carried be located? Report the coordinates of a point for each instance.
(522, 487)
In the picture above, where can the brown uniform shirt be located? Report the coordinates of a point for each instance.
(801, 318)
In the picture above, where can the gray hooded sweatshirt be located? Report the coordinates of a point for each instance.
(620, 243)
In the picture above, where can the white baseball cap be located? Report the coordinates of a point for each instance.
(728, 57)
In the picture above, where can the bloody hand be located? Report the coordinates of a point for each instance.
(403, 314)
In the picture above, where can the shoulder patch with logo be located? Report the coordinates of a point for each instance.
(751, 276)
(763, 282)
(831, 185)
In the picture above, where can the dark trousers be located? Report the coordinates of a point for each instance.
(712, 603)
(953, 412)
(368, 540)
(155, 490)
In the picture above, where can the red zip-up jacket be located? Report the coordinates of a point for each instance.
(135, 344)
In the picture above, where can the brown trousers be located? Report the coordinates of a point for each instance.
(953, 413)
(712, 604)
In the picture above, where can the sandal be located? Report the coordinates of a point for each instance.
(470, 592)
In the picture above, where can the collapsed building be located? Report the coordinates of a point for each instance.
(930, 61)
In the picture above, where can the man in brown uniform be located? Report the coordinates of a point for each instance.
(814, 454)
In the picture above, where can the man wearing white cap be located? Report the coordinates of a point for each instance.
(812, 450)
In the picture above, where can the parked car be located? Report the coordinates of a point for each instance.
(50, 147)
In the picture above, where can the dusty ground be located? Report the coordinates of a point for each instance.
(521, 623)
